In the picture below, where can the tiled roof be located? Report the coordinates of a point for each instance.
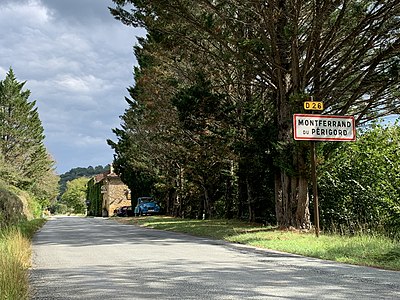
(102, 176)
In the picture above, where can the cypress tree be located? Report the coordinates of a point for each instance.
(22, 135)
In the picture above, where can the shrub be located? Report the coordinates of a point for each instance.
(359, 185)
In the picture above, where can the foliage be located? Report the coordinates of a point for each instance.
(25, 166)
(59, 208)
(80, 172)
(75, 195)
(360, 183)
(29, 228)
(95, 198)
(189, 162)
(17, 205)
(218, 83)
(11, 207)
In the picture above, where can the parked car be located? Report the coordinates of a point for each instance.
(124, 211)
(146, 206)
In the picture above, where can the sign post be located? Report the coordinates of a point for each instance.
(310, 127)
(315, 188)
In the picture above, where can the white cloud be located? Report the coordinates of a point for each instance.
(3, 72)
(77, 61)
(88, 141)
(30, 12)
(82, 85)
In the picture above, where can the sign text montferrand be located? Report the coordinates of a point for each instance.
(324, 128)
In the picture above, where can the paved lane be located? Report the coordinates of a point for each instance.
(96, 258)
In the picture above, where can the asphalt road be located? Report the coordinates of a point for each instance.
(96, 258)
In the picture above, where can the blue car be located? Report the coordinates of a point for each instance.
(146, 206)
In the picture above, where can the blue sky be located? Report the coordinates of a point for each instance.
(77, 61)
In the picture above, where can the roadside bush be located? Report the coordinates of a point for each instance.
(360, 184)
(59, 209)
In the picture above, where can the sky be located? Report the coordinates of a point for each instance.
(77, 61)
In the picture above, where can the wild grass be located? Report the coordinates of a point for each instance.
(15, 260)
(367, 249)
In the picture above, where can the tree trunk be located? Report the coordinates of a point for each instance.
(242, 190)
(292, 201)
(207, 205)
(228, 199)
(291, 184)
(291, 180)
(250, 201)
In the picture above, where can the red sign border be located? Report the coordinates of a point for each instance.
(324, 117)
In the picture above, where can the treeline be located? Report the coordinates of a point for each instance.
(28, 182)
(78, 172)
(209, 124)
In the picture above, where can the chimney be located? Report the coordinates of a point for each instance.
(111, 169)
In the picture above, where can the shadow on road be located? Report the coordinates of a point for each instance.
(218, 270)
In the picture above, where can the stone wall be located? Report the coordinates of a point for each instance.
(116, 195)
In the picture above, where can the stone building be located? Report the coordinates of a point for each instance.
(115, 193)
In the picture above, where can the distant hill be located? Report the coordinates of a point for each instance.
(80, 172)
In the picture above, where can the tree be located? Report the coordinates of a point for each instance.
(277, 54)
(25, 162)
(75, 195)
(46, 186)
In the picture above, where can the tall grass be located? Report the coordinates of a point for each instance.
(15, 260)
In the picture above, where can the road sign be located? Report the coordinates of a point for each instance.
(324, 128)
(313, 105)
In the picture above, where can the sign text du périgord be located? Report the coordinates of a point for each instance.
(324, 128)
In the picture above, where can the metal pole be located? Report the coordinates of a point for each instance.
(315, 188)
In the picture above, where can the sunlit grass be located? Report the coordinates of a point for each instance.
(15, 260)
(368, 250)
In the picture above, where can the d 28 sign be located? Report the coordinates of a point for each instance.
(324, 128)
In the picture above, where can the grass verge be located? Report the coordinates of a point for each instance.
(15, 259)
(366, 250)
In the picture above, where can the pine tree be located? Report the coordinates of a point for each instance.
(21, 138)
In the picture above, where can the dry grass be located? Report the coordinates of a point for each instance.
(15, 259)
(15, 255)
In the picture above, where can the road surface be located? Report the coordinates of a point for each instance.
(96, 258)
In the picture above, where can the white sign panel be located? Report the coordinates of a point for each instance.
(324, 128)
